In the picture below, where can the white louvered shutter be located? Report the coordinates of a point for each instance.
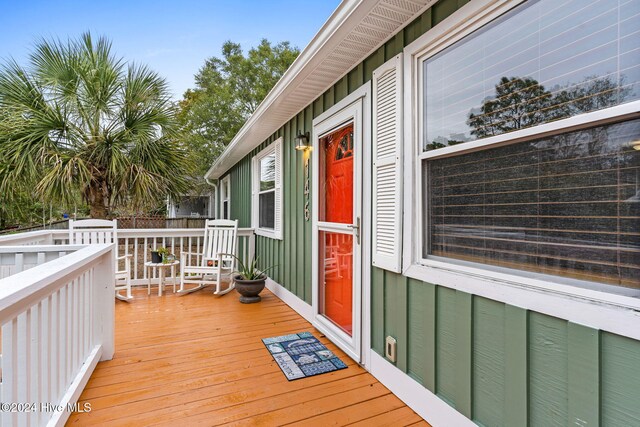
(387, 165)
(255, 185)
(278, 195)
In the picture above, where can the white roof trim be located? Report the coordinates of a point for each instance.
(354, 30)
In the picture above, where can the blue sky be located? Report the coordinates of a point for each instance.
(172, 37)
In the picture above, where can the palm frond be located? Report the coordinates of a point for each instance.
(79, 117)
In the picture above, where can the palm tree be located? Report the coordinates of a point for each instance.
(78, 120)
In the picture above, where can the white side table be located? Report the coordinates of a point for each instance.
(161, 267)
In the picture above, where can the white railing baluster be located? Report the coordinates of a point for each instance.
(55, 347)
(9, 369)
(41, 258)
(84, 318)
(70, 328)
(63, 336)
(145, 272)
(135, 258)
(36, 361)
(19, 263)
(40, 356)
(76, 322)
(36, 342)
(46, 374)
(24, 361)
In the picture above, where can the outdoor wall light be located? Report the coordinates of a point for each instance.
(302, 141)
(302, 144)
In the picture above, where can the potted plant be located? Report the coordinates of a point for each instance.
(160, 255)
(156, 258)
(164, 253)
(249, 281)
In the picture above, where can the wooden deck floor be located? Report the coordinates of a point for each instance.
(198, 360)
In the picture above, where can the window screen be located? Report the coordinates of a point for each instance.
(544, 60)
(566, 205)
(267, 210)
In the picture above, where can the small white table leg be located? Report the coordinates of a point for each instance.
(148, 280)
(161, 282)
(173, 277)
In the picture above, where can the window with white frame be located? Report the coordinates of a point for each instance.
(225, 197)
(266, 207)
(529, 143)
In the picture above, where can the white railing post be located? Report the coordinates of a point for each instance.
(48, 240)
(252, 246)
(103, 286)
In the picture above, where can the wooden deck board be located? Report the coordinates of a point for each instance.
(198, 360)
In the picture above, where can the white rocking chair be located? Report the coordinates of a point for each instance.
(216, 260)
(96, 231)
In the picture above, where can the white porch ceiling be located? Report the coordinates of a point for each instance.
(352, 32)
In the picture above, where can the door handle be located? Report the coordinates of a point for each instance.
(356, 228)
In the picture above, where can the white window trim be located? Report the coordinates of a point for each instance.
(276, 232)
(213, 202)
(225, 183)
(594, 306)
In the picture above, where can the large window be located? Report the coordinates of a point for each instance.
(566, 205)
(543, 61)
(266, 209)
(563, 197)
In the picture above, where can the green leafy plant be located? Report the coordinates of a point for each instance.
(250, 271)
(163, 251)
(166, 255)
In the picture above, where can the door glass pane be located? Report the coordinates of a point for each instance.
(336, 279)
(336, 176)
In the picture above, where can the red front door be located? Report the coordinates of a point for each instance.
(336, 248)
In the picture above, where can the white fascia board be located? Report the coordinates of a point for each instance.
(280, 105)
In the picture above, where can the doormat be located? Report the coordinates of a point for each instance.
(301, 355)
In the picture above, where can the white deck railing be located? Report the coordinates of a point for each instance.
(139, 243)
(39, 237)
(57, 312)
(57, 322)
(14, 259)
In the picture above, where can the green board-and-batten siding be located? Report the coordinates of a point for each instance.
(292, 254)
(500, 365)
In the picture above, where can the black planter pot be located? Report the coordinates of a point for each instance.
(249, 290)
(156, 257)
